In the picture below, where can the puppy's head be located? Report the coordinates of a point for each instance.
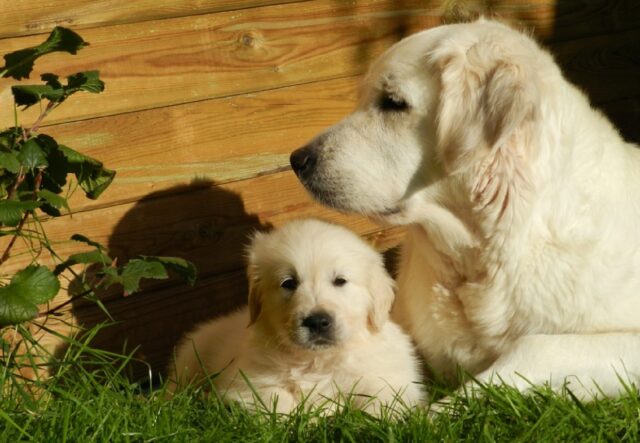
(437, 105)
(315, 284)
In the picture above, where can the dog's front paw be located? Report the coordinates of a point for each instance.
(411, 210)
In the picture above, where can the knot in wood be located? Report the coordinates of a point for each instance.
(249, 39)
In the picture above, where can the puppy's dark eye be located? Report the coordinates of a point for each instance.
(339, 281)
(389, 103)
(289, 283)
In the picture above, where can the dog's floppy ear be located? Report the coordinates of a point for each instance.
(382, 292)
(255, 302)
(488, 98)
(253, 275)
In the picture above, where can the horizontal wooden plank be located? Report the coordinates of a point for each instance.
(180, 60)
(565, 19)
(162, 62)
(221, 140)
(23, 17)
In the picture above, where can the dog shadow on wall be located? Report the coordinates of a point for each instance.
(199, 222)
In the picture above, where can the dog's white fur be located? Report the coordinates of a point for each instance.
(522, 261)
(369, 358)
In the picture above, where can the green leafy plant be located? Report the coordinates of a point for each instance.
(37, 176)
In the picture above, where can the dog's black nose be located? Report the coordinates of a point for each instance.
(303, 160)
(319, 323)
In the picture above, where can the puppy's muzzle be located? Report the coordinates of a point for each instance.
(304, 160)
(320, 327)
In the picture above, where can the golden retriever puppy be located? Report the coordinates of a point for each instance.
(522, 261)
(317, 328)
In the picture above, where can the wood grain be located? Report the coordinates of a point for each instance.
(159, 63)
(223, 140)
(20, 17)
(580, 18)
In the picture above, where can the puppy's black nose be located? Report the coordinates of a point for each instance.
(319, 323)
(303, 160)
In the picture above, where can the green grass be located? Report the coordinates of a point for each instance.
(90, 400)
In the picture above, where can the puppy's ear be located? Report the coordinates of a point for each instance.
(255, 302)
(489, 98)
(382, 292)
(253, 275)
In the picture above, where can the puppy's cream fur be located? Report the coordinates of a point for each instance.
(366, 356)
(523, 253)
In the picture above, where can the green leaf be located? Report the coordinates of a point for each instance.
(53, 202)
(180, 266)
(92, 176)
(31, 155)
(90, 257)
(137, 269)
(76, 157)
(28, 288)
(19, 64)
(47, 143)
(9, 137)
(95, 256)
(11, 211)
(51, 80)
(55, 176)
(94, 181)
(87, 81)
(36, 283)
(6, 182)
(29, 95)
(10, 162)
(54, 91)
(14, 308)
(82, 239)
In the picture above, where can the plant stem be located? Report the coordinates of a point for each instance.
(36, 125)
(26, 133)
(7, 251)
(62, 305)
(19, 180)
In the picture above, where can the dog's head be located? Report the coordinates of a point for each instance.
(315, 284)
(440, 105)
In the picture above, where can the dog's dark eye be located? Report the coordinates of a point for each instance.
(389, 103)
(339, 281)
(289, 283)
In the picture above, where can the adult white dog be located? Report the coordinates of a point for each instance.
(319, 328)
(523, 252)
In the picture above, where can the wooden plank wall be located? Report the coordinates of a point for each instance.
(206, 99)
